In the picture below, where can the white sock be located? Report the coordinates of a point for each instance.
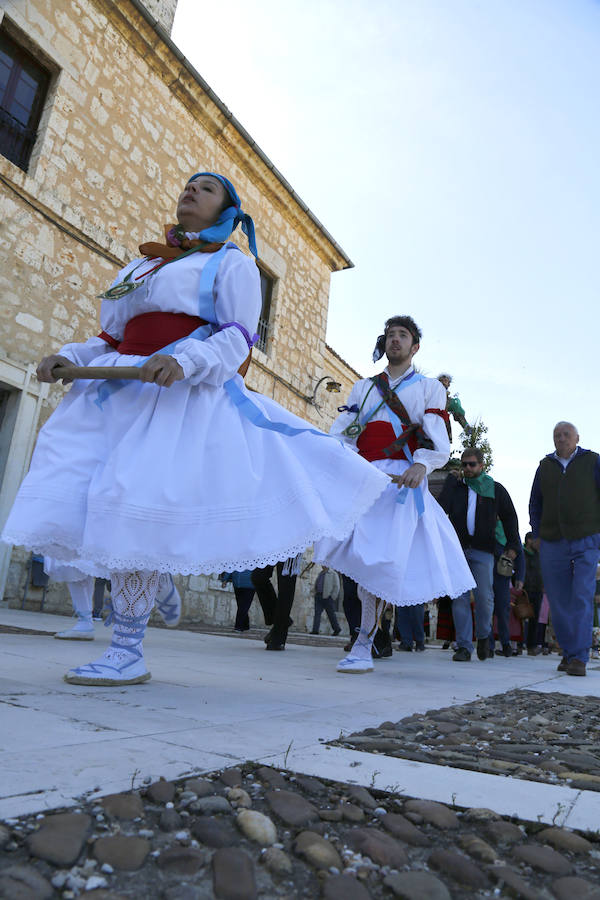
(372, 607)
(81, 597)
(133, 596)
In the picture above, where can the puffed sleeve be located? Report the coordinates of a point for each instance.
(84, 354)
(434, 427)
(238, 300)
(346, 418)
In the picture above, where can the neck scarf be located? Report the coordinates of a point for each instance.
(176, 244)
(209, 239)
(485, 486)
(482, 484)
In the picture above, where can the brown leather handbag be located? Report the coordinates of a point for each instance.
(522, 606)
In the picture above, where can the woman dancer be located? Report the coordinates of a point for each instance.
(183, 471)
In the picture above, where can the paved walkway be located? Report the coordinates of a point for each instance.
(216, 701)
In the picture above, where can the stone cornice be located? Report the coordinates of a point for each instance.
(151, 41)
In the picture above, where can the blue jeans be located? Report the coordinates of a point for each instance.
(481, 565)
(501, 608)
(410, 622)
(569, 572)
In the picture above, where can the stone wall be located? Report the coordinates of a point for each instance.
(126, 122)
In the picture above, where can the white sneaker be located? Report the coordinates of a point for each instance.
(128, 668)
(355, 666)
(168, 601)
(81, 631)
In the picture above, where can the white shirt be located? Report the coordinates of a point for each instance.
(565, 462)
(471, 504)
(427, 393)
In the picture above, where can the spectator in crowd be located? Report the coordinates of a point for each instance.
(502, 584)
(101, 585)
(475, 503)
(410, 625)
(534, 587)
(277, 606)
(564, 510)
(244, 595)
(351, 610)
(327, 592)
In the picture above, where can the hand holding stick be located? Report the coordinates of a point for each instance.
(160, 369)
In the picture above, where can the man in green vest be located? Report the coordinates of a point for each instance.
(564, 510)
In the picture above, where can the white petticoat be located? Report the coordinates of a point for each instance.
(175, 479)
(397, 556)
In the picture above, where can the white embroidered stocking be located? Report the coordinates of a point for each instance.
(372, 607)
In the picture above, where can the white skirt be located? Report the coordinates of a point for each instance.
(176, 479)
(397, 556)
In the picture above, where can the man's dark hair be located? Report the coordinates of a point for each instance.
(473, 451)
(405, 322)
(529, 535)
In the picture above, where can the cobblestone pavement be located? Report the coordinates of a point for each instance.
(258, 832)
(549, 737)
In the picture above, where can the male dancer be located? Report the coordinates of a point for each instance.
(403, 550)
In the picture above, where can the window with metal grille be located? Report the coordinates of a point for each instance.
(23, 88)
(266, 288)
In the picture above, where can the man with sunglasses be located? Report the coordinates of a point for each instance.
(475, 504)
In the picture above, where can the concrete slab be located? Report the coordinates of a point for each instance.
(216, 700)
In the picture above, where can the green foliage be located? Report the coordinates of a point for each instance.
(477, 438)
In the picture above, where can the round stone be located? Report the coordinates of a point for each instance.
(257, 827)
(24, 883)
(579, 888)
(378, 846)
(60, 839)
(293, 809)
(344, 887)
(161, 791)
(233, 875)
(435, 813)
(122, 852)
(458, 867)
(562, 839)
(123, 806)
(417, 886)
(542, 858)
(317, 851)
(401, 828)
(231, 777)
(277, 861)
(238, 798)
(183, 860)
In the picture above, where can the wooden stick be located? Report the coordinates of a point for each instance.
(129, 373)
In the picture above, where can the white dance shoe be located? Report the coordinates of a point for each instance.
(355, 666)
(82, 630)
(124, 667)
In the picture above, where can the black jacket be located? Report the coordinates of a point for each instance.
(454, 501)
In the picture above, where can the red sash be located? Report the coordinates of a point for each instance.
(378, 436)
(149, 332)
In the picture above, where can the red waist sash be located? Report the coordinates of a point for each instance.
(149, 332)
(376, 437)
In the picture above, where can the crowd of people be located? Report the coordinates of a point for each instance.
(168, 464)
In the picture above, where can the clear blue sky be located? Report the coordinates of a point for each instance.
(451, 147)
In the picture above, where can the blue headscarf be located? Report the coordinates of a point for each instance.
(230, 218)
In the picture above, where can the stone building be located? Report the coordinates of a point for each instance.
(102, 120)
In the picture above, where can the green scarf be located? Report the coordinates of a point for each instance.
(485, 486)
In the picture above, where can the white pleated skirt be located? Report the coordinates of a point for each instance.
(176, 479)
(398, 556)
